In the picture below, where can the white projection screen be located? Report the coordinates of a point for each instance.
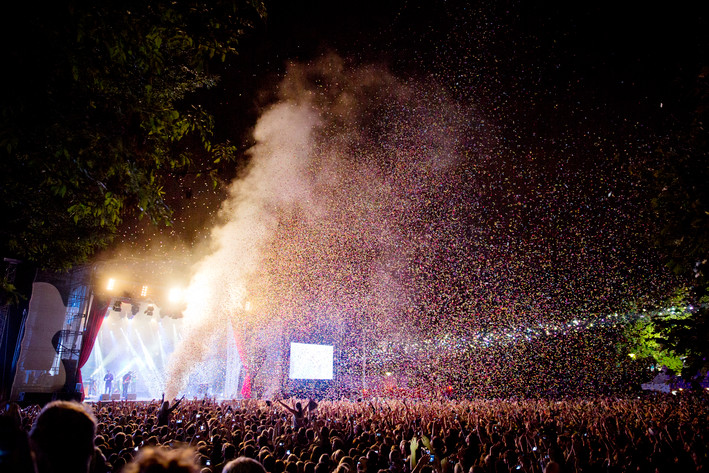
(309, 361)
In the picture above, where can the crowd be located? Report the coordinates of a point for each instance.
(653, 434)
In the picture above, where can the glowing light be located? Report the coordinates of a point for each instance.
(175, 294)
(144, 291)
(632, 355)
(388, 373)
(111, 284)
(247, 306)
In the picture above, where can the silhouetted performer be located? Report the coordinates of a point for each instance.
(92, 386)
(109, 381)
(127, 378)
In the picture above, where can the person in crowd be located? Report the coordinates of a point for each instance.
(243, 465)
(298, 413)
(15, 456)
(166, 410)
(62, 438)
(160, 460)
(656, 434)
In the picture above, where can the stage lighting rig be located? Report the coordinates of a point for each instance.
(116, 305)
(149, 310)
(134, 309)
(175, 295)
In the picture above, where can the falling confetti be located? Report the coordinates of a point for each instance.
(387, 218)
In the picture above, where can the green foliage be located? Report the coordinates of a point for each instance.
(646, 345)
(8, 293)
(104, 107)
(679, 178)
(688, 336)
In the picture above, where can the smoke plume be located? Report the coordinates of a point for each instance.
(322, 234)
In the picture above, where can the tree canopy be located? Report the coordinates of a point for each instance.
(103, 103)
(678, 176)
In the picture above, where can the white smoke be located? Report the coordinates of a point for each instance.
(327, 222)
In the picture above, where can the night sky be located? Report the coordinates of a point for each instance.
(552, 107)
(568, 99)
(480, 180)
(555, 80)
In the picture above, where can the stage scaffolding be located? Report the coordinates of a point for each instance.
(55, 325)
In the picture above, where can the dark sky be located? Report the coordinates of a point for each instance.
(629, 57)
(555, 77)
(576, 94)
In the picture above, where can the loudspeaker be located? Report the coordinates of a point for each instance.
(70, 386)
(130, 397)
(115, 397)
(29, 399)
(104, 397)
(62, 396)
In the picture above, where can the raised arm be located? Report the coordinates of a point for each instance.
(177, 403)
(291, 410)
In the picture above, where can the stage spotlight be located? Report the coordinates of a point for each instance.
(116, 306)
(144, 291)
(149, 310)
(175, 295)
(111, 284)
(134, 309)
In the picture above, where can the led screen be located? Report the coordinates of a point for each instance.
(310, 361)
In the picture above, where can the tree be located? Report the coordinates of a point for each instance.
(644, 343)
(103, 106)
(679, 178)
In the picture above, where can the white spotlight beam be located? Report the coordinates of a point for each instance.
(146, 367)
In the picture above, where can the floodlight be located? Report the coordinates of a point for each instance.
(175, 294)
(111, 284)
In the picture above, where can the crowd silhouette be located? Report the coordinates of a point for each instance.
(648, 434)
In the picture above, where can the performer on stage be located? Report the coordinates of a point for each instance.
(127, 378)
(92, 386)
(109, 381)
